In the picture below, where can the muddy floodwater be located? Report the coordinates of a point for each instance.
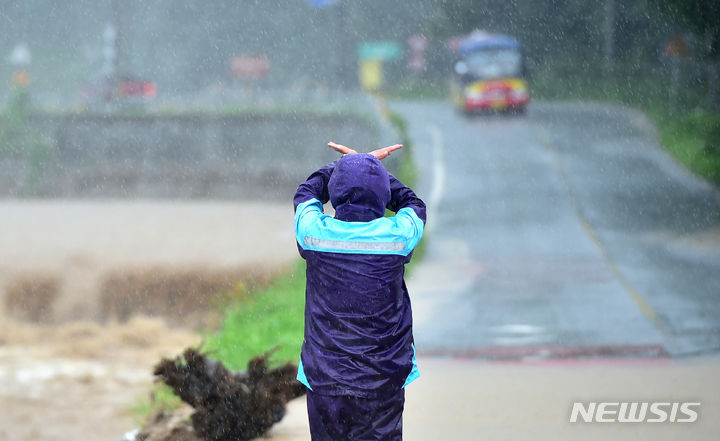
(70, 344)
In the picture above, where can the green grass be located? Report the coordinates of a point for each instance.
(694, 139)
(268, 318)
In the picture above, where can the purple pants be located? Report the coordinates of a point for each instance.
(348, 418)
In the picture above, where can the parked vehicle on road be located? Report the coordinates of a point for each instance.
(124, 90)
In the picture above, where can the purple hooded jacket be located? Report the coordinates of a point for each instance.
(358, 321)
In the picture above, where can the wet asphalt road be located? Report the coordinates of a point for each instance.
(564, 233)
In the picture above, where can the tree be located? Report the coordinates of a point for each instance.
(702, 17)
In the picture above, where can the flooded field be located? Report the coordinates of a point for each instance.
(94, 293)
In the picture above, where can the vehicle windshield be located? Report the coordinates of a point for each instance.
(494, 63)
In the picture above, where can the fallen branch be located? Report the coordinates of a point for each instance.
(230, 405)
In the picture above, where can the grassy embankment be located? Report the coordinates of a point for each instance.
(269, 317)
(694, 139)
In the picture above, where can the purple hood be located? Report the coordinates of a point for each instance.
(359, 188)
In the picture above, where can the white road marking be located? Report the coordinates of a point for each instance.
(517, 328)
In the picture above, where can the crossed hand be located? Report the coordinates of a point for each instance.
(380, 153)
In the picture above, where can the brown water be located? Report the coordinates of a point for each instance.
(59, 258)
(93, 293)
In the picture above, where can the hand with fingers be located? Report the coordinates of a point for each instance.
(380, 153)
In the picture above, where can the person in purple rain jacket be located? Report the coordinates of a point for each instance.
(358, 352)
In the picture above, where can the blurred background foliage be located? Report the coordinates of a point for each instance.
(610, 50)
(186, 46)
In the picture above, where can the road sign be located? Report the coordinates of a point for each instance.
(677, 47)
(418, 44)
(371, 75)
(249, 66)
(379, 50)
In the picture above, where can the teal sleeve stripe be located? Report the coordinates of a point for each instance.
(317, 231)
(415, 372)
(301, 375)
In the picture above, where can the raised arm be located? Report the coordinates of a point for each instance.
(402, 196)
(380, 153)
(315, 187)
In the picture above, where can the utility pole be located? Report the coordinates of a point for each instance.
(339, 16)
(109, 59)
(117, 41)
(341, 23)
(713, 73)
(609, 39)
